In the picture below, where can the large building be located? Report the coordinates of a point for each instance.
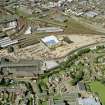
(6, 41)
(88, 101)
(50, 29)
(23, 68)
(50, 41)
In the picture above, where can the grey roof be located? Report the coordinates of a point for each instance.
(91, 14)
(88, 101)
(23, 63)
(24, 67)
(4, 42)
(81, 86)
(50, 29)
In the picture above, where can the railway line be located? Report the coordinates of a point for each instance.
(23, 40)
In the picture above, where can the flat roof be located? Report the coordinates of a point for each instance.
(50, 29)
(4, 42)
(50, 40)
(21, 63)
(81, 86)
(23, 67)
(91, 14)
(88, 101)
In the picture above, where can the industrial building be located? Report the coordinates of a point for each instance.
(23, 68)
(50, 29)
(6, 41)
(50, 41)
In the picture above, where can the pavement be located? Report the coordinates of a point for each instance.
(50, 64)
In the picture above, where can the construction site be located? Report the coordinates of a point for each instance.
(37, 36)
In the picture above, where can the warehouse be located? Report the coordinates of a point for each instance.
(50, 41)
(23, 68)
(6, 41)
(50, 29)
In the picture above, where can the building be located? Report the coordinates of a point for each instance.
(50, 41)
(6, 41)
(23, 68)
(50, 29)
(91, 14)
(28, 31)
(88, 101)
(81, 86)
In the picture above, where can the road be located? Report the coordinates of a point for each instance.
(65, 57)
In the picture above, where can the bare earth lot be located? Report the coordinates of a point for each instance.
(40, 51)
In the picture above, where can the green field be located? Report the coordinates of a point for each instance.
(99, 88)
(75, 27)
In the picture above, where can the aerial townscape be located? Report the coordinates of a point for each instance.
(52, 52)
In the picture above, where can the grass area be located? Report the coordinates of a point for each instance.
(42, 84)
(74, 27)
(98, 88)
(57, 97)
(44, 103)
(70, 27)
(48, 21)
(21, 12)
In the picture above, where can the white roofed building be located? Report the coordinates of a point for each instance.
(50, 41)
(91, 14)
(88, 101)
(13, 24)
(50, 29)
